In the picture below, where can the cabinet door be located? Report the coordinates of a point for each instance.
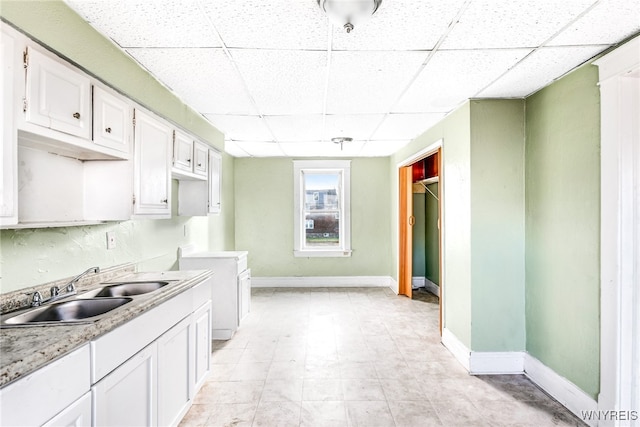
(127, 396)
(111, 120)
(57, 97)
(9, 150)
(200, 153)
(78, 414)
(182, 152)
(215, 181)
(152, 172)
(202, 322)
(244, 294)
(175, 370)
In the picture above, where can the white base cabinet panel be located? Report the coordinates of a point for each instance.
(202, 359)
(76, 415)
(127, 396)
(175, 372)
(227, 294)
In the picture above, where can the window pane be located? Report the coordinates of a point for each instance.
(322, 229)
(321, 191)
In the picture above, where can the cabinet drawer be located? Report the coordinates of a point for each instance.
(113, 348)
(36, 398)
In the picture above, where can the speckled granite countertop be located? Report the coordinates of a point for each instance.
(26, 349)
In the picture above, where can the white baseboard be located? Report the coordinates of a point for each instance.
(560, 388)
(504, 362)
(322, 281)
(432, 287)
(456, 347)
(417, 282)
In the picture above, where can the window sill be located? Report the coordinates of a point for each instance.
(321, 253)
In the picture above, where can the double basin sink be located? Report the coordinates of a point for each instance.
(88, 306)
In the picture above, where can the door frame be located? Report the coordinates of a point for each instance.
(435, 147)
(619, 80)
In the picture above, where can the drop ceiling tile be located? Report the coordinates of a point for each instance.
(539, 69)
(607, 23)
(203, 78)
(260, 148)
(382, 148)
(274, 24)
(406, 126)
(243, 128)
(369, 82)
(400, 25)
(231, 148)
(451, 77)
(143, 23)
(321, 149)
(356, 126)
(296, 128)
(284, 82)
(509, 24)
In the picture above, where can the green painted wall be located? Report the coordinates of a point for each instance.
(418, 241)
(264, 220)
(497, 225)
(432, 240)
(34, 256)
(563, 227)
(455, 130)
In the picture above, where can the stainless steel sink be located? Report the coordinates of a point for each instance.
(77, 310)
(124, 289)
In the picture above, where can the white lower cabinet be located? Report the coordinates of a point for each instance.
(202, 331)
(127, 396)
(175, 368)
(48, 392)
(78, 414)
(244, 294)
(143, 373)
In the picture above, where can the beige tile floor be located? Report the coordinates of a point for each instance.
(355, 357)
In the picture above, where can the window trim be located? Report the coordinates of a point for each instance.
(344, 166)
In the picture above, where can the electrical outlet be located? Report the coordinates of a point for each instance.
(111, 239)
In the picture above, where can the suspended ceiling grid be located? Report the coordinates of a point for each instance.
(279, 80)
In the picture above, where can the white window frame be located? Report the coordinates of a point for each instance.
(316, 166)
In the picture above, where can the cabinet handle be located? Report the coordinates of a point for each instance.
(108, 130)
(76, 115)
(164, 201)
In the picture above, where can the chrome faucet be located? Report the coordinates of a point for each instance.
(70, 287)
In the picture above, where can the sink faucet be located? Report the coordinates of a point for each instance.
(70, 288)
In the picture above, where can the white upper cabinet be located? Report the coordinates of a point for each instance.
(112, 121)
(9, 150)
(200, 156)
(182, 152)
(215, 182)
(57, 96)
(152, 170)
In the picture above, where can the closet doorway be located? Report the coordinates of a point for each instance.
(420, 227)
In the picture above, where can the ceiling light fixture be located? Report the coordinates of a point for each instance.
(347, 13)
(341, 140)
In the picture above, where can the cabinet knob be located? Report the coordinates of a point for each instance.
(164, 201)
(108, 130)
(189, 160)
(199, 165)
(76, 115)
